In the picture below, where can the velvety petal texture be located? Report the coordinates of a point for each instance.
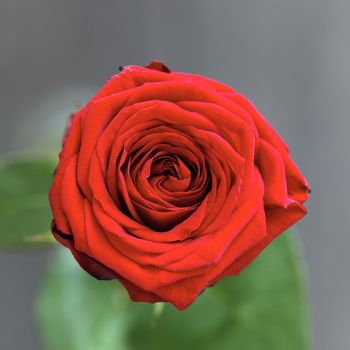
(169, 182)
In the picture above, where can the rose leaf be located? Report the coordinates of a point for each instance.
(24, 209)
(265, 308)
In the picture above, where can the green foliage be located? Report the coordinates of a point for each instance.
(263, 308)
(24, 210)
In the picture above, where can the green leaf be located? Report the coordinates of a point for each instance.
(24, 210)
(264, 308)
(77, 312)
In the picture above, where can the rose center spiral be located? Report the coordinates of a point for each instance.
(171, 173)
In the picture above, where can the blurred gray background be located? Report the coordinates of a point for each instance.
(292, 58)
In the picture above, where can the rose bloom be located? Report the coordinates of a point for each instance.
(169, 182)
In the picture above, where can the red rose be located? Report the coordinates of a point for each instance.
(169, 181)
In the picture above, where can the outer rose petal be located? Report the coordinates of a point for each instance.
(278, 220)
(155, 149)
(298, 187)
(102, 272)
